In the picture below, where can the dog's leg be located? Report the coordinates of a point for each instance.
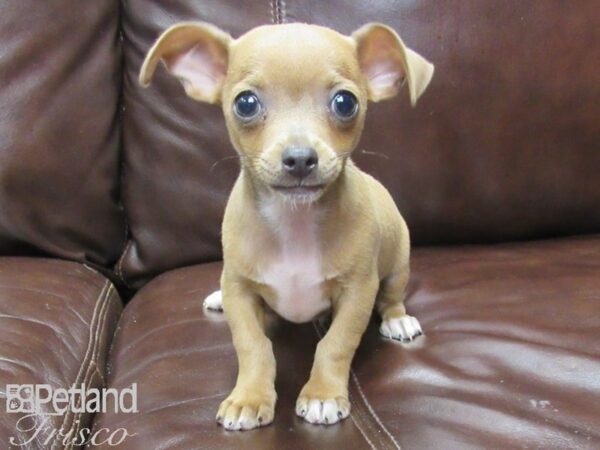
(251, 404)
(324, 398)
(395, 323)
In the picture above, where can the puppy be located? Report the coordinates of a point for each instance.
(305, 230)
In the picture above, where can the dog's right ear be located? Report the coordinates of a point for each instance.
(196, 53)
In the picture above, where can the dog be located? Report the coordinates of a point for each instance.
(305, 231)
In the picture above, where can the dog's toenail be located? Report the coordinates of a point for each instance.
(340, 414)
(260, 419)
(303, 412)
(326, 420)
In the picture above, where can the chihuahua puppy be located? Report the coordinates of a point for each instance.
(305, 231)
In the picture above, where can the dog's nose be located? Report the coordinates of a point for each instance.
(299, 161)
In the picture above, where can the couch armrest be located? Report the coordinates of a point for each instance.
(57, 320)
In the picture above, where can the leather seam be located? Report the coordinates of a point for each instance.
(355, 410)
(358, 413)
(91, 362)
(278, 11)
(367, 424)
(95, 318)
(119, 268)
(121, 154)
(360, 429)
(366, 429)
(75, 427)
(372, 411)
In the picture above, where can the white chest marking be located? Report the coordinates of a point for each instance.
(294, 270)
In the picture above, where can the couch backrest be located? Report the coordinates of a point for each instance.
(504, 145)
(59, 88)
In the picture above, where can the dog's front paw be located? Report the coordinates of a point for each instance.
(403, 329)
(214, 301)
(244, 412)
(319, 408)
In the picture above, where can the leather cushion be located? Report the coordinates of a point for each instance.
(57, 320)
(59, 140)
(509, 359)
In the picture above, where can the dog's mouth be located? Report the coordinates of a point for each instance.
(299, 189)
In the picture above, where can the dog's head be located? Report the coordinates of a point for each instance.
(294, 96)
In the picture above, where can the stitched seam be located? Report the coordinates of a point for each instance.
(359, 411)
(353, 411)
(90, 362)
(372, 411)
(93, 365)
(277, 11)
(282, 11)
(370, 425)
(367, 428)
(95, 317)
(362, 432)
(273, 13)
(359, 417)
(91, 371)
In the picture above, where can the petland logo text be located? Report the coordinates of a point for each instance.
(39, 402)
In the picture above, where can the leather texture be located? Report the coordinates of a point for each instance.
(502, 146)
(491, 150)
(57, 320)
(59, 89)
(509, 359)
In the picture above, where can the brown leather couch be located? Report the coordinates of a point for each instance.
(111, 199)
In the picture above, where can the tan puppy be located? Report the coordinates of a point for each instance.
(305, 230)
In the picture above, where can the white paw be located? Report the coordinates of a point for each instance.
(403, 329)
(214, 301)
(245, 418)
(324, 412)
(243, 414)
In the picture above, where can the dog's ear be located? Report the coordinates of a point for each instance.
(387, 63)
(196, 53)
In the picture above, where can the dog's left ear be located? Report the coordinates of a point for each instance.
(196, 53)
(387, 63)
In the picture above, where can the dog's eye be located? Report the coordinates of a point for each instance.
(344, 105)
(246, 106)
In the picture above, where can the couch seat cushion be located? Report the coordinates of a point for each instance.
(510, 359)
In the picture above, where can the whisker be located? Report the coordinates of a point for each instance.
(216, 163)
(365, 152)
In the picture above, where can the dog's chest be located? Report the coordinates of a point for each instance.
(294, 269)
